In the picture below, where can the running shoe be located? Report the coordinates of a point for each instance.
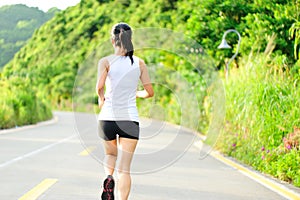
(108, 188)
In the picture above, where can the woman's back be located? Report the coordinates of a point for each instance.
(121, 86)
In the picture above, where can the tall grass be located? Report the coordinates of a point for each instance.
(262, 109)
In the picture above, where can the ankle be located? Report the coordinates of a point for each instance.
(110, 176)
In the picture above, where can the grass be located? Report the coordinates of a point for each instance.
(262, 110)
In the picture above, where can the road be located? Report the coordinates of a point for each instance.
(62, 160)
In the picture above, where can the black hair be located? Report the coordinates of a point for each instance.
(122, 34)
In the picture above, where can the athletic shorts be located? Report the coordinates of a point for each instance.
(108, 130)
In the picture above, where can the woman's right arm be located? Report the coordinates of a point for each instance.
(145, 78)
(103, 67)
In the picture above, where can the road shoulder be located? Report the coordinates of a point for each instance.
(282, 188)
(21, 128)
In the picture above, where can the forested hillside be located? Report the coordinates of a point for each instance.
(63, 43)
(262, 91)
(17, 24)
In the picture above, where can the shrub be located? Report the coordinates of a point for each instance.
(262, 116)
(21, 105)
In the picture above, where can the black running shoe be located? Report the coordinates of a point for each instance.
(108, 188)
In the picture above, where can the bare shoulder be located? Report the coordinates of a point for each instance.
(142, 63)
(104, 61)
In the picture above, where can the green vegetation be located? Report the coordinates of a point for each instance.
(20, 104)
(263, 101)
(262, 93)
(18, 22)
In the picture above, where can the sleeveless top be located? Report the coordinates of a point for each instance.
(120, 92)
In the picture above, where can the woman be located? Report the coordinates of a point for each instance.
(119, 74)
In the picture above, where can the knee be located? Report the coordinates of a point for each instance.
(111, 156)
(112, 153)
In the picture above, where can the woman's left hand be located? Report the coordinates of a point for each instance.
(101, 102)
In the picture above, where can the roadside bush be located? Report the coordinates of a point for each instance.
(262, 119)
(21, 105)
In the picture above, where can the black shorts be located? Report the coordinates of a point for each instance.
(108, 130)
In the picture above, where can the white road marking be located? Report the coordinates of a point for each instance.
(35, 151)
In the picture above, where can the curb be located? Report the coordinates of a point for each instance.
(273, 185)
(21, 128)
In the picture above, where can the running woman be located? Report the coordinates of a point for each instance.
(118, 119)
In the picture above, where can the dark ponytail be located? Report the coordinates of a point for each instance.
(122, 34)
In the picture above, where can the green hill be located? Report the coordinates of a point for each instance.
(17, 24)
(262, 92)
(52, 56)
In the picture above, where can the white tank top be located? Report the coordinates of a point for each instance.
(120, 92)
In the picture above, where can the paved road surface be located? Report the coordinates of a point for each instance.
(49, 162)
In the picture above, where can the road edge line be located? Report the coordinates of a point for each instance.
(270, 184)
(25, 127)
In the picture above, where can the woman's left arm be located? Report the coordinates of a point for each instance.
(103, 68)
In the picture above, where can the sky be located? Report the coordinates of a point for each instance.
(44, 5)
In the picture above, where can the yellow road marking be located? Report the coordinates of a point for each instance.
(87, 151)
(268, 183)
(38, 190)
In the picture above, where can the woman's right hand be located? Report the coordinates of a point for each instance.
(148, 92)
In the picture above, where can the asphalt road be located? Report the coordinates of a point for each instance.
(62, 160)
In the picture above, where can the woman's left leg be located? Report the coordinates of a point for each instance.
(111, 153)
